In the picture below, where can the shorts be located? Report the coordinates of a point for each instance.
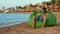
(44, 12)
(39, 18)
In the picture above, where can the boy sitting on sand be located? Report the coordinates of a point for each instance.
(43, 16)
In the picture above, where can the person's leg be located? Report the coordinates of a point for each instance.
(47, 14)
(33, 22)
(44, 20)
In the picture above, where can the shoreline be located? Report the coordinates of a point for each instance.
(4, 26)
(19, 13)
(24, 28)
(22, 13)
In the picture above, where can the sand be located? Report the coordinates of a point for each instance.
(24, 28)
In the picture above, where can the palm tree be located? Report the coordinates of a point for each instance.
(10, 8)
(20, 7)
(31, 5)
(38, 3)
(43, 2)
(16, 7)
(24, 7)
(3, 8)
(13, 8)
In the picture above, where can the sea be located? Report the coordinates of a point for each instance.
(8, 19)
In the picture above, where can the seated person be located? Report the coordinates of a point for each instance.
(43, 16)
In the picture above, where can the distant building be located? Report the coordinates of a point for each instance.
(6, 11)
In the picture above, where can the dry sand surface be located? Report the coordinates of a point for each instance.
(25, 29)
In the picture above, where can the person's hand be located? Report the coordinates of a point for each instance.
(47, 14)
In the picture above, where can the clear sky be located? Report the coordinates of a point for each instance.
(13, 3)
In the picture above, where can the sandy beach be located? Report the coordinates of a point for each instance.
(30, 6)
(25, 29)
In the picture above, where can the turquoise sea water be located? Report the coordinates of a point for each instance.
(11, 19)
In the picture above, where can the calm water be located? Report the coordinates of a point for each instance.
(10, 19)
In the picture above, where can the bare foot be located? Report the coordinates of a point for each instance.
(43, 30)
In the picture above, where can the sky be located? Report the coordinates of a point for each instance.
(13, 3)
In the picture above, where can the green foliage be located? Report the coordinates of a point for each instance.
(3, 7)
